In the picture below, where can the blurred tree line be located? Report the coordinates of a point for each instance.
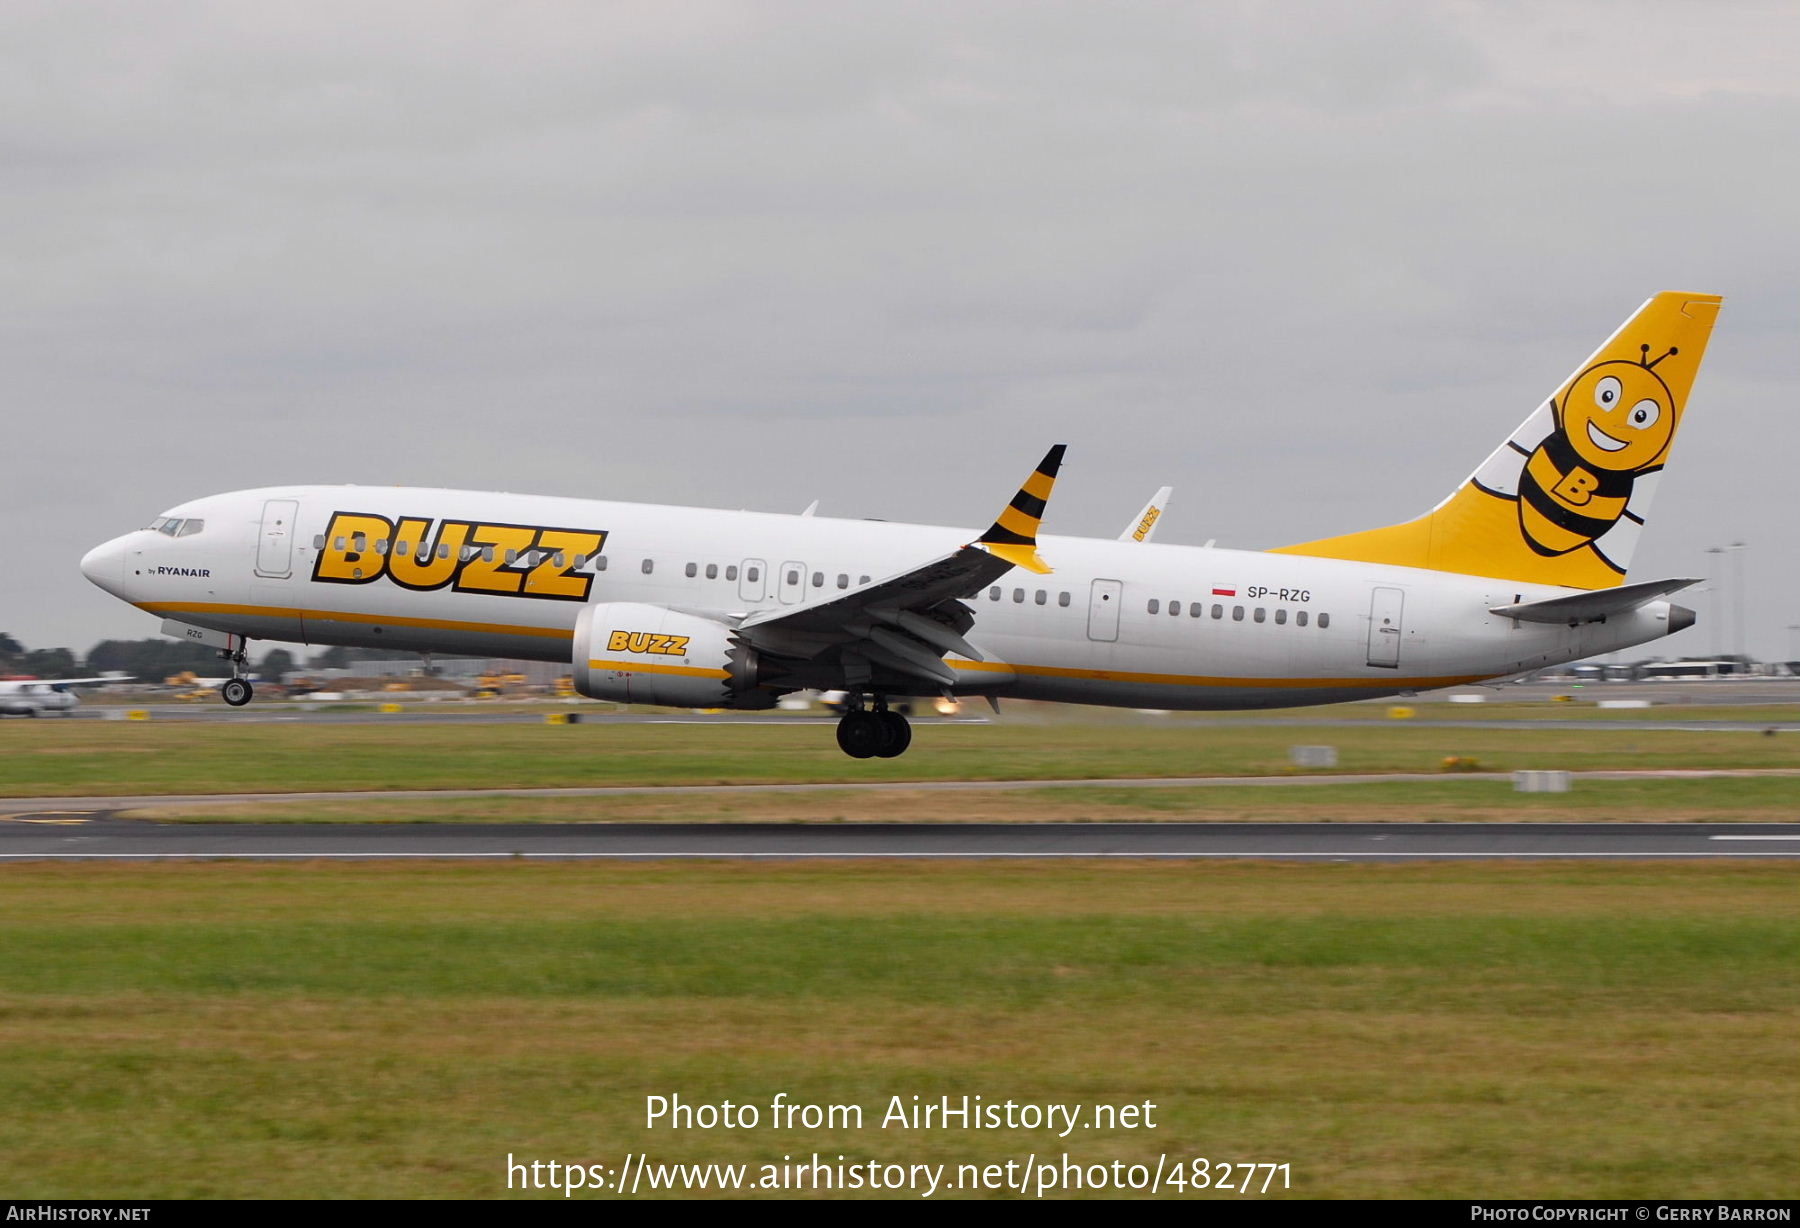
(152, 660)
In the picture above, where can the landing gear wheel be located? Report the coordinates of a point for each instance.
(861, 735)
(898, 734)
(236, 692)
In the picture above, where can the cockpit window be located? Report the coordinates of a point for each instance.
(175, 526)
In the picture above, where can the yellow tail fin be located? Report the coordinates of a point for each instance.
(1564, 499)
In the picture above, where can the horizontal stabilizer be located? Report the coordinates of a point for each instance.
(1591, 607)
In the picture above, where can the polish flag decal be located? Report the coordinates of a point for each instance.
(1224, 592)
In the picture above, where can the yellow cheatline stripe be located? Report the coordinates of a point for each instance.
(340, 616)
(644, 667)
(1038, 485)
(1039, 671)
(1114, 675)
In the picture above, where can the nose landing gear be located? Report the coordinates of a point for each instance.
(237, 689)
(873, 734)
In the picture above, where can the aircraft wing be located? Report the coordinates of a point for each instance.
(83, 681)
(905, 623)
(1144, 523)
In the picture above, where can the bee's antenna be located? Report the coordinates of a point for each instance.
(1652, 365)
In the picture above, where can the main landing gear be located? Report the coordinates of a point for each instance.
(237, 689)
(873, 733)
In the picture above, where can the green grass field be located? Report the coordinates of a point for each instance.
(1502, 1030)
(1582, 1030)
(1728, 799)
(46, 758)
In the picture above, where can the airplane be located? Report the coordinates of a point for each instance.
(36, 696)
(1522, 566)
(1143, 526)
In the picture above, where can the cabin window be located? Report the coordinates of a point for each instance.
(1237, 613)
(402, 547)
(599, 562)
(994, 593)
(731, 571)
(1018, 596)
(1195, 609)
(753, 574)
(512, 556)
(319, 542)
(359, 541)
(1324, 621)
(649, 566)
(1154, 605)
(864, 580)
(712, 571)
(692, 570)
(1280, 618)
(443, 550)
(487, 554)
(1062, 599)
(558, 559)
(1175, 609)
(1042, 597)
(1300, 618)
(843, 579)
(1218, 611)
(818, 579)
(1261, 614)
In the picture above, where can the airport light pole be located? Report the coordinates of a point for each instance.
(1737, 601)
(1734, 577)
(1713, 567)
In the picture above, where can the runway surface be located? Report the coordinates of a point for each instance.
(101, 837)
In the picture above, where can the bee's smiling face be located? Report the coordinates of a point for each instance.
(1618, 416)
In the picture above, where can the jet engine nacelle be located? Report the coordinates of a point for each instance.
(648, 654)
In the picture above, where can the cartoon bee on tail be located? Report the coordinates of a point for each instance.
(1612, 427)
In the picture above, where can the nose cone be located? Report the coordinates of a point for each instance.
(105, 565)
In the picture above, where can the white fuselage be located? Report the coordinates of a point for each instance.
(1117, 622)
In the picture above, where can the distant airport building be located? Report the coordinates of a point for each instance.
(1663, 671)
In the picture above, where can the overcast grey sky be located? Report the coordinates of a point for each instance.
(1306, 262)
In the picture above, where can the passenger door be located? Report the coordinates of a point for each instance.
(1385, 608)
(751, 578)
(1104, 599)
(275, 541)
(792, 582)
